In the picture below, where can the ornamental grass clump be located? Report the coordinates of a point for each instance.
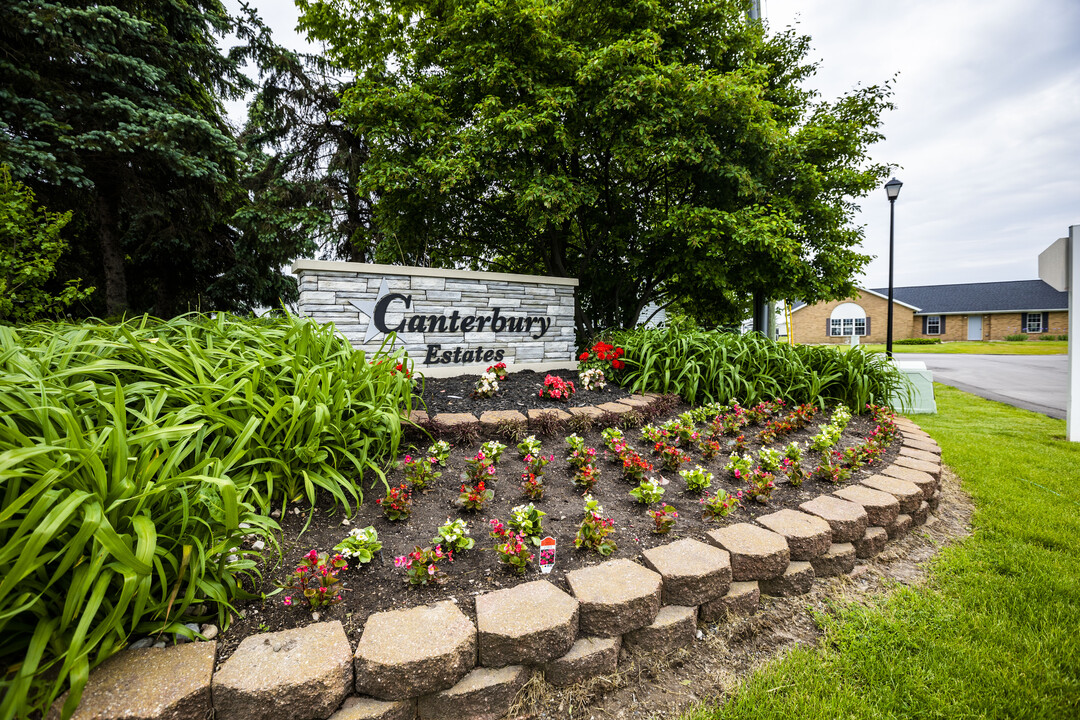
(422, 565)
(647, 492)
(397, 505)
(314, 580)
(360, 544)
(663, 519)
(697, 479)
(593, 532)
(528, 521)
(454, 536)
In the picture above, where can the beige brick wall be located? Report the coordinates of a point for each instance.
(1010, 324)
(808, 323)
(956, 327)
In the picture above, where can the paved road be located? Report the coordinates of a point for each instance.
(1032, 382)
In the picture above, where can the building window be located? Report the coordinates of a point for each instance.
(933, 324)
(1033, 323)
(848, 319)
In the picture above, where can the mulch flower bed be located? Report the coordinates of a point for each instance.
(519, 391)
(381, 584)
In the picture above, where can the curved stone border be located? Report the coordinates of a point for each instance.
(653, 607)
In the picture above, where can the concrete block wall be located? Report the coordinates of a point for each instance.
(449, 321)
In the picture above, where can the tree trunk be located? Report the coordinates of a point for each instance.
(112, 255)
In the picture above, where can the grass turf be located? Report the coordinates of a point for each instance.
(988, 347)
(995, 633)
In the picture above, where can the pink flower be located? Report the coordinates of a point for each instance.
(430, 569)
(287, 600)
(491, 470)
(313, 555)
(400, 561)
(408, 458)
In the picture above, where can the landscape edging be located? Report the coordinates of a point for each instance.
(485, 690)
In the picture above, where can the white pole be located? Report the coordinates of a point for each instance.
(1072, 276)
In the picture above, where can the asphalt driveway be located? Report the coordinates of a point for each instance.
(1032, 382)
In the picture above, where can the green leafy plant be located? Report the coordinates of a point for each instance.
(770, 459)
(528, 521)
(663, 519)
(420, 472)
(510, 548)
(397, 505)
(535, 464)
(493, 449)
(647, 492)
(613, 438)
(529, 446)
(697, 479)
(594, 529)
(474, 497)
(360, 544)
(315, 579)
(422, 565)
(454, 536)
(719, 505)
(440, 450)
(759, 486)
(532, 485)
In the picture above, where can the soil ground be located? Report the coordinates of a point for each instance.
(379, 585)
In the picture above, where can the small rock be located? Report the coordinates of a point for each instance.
(232, 558)
(209, 631)
(258, 546)
(140, 644)
(244, 525)
(159, 644)
(346, 522)
(275, 514)
(315, 616)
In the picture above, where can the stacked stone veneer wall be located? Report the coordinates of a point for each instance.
(470, 319)
(434, 663)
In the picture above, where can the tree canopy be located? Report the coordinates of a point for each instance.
(114, 111)
(664, 150)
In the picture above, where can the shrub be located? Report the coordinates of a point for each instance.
(1019, 337)
(1051, 337)
(917, 341)
(133, 452)
(711, 366)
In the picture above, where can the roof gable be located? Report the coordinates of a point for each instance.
(1010, 296)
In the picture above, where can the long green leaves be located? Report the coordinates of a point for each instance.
(706, 366)
(134, 458)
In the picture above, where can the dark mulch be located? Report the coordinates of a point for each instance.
(380, 586)
(517, 392)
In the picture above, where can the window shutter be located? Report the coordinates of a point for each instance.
(1046, 322)
(941, 328)
(924, 325)
(868, 325)
(1023, 322)
(828, 327)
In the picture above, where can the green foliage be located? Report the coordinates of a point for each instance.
(114, 111)
(917, 341)
(30, 245)
(1019, 337)
(709, 366)
(656, 151)
(131, 453)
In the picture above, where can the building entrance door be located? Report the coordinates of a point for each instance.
(975, 327)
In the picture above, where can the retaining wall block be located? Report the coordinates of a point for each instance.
(882, 508)
(528, 624)
(847, 520)
(797, 579)
(172, 682)
(871, 543)
(365, 708)
(807, 535)
(756, 553)
(675, 626)
(616, 597)
(298, 674)
(483, 694)
(589, 657)
(406, 653)
(908, 494)
(693, 572)
(742, 598)
(839, 560)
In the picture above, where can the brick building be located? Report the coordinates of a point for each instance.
(969, 311)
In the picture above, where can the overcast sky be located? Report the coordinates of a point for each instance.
(985, 135)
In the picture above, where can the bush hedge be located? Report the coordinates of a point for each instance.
(134, 457)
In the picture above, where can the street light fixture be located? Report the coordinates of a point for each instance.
(892, 189)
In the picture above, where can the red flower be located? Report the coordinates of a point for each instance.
(583, 356)
(617, 364)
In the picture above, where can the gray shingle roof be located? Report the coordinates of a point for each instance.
(1015, 295)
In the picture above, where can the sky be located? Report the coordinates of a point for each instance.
(985, 135)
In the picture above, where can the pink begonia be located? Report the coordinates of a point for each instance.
(288, 600)
(408, 459)
(400, 561)
(491, 470)
(313, 555)
(430, 569)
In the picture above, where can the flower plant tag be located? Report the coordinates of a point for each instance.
(547, 554)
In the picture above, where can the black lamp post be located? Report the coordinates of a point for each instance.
(892, 189)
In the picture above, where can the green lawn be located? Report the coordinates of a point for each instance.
(995, 633)
(988, 347)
